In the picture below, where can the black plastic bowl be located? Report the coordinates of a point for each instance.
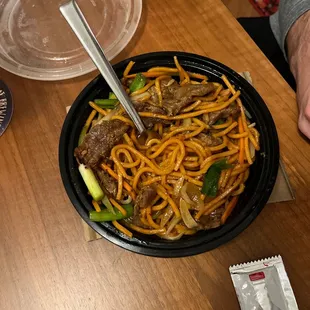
(258, 187)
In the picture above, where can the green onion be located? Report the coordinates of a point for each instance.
(86, 126)
(106, 103)
(91, 182)
(137, 83)
(107, 216)
(108, 204)
(82, 134)
(112, 96)
(211, 179)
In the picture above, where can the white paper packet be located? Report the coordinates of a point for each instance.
(263, 285)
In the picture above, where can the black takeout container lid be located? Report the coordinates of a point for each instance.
(259, 186)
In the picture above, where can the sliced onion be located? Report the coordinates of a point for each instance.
(185, 196)
(178, 185)
(109, 116)
(141, 97)
(126, 201)
(194, 194)
(172, 238)
(252, 149)
(172, 224)
(170, 82)
(252, 125)
(191, 194)
(187, 122)
(166, 217)
(246, 112)
(186, 215)
(205, 118)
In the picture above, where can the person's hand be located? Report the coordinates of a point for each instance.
(298, 47)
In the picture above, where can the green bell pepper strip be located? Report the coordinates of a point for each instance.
(212, 176)
(137, 83)
(91, 182)
(106, 216)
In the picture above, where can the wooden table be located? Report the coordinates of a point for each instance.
(45, 262)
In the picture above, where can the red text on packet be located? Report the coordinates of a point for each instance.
(257, 276)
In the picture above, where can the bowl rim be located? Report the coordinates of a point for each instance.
(229, 231)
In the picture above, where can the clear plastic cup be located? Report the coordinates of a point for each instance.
(37, 43)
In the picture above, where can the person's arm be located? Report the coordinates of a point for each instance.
(291, 27)
(298, 48)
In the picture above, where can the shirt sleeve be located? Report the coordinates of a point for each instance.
(281, 22)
